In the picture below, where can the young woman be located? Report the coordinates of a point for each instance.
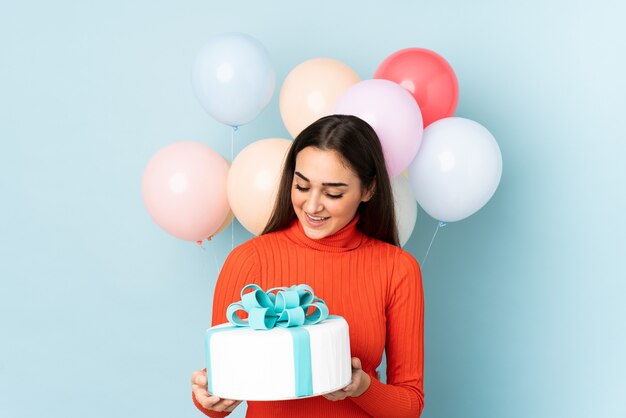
(333, 228)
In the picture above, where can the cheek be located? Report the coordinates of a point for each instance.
(295, 200)
(343, 207)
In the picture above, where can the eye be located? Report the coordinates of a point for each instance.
(302, 189)
(334, 196)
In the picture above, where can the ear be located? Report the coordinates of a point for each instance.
(369, 193)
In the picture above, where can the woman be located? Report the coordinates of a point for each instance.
(333, 228)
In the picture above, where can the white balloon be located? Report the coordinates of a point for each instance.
(233, 78)
(406, 208)
(456, 170)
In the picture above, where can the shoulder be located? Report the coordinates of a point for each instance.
(406, 261)
(255, 245)
(243, 253)
(393, 253)
(407, 276)
(404, 270)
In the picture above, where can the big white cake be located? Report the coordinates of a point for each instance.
(278, 344)
(278, 363)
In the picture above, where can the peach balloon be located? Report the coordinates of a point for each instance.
(253, 182)
(229, 217)
(311, 90)
(226, 224)
(184, 190)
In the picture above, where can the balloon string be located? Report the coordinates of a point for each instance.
(217, 268)
(439, 225)
(232, 157)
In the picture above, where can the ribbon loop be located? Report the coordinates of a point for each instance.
(280, 306)
(320, 312)
(262, 318)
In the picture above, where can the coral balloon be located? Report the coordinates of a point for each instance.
(457, 170)
(427, 76)
(393, 114)
(405, 208)
(184, 190)
(253, 182)
(311, 90)
(233, 78)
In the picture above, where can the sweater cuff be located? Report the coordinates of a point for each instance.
(370, 399)
(376, 402)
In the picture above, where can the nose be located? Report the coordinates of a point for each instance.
(314, 203)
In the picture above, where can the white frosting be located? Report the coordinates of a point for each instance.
(256, 365)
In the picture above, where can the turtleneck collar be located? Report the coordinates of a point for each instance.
(346, 239)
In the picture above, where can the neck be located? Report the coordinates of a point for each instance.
(346, 239)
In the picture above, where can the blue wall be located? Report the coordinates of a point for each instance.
(102, 313)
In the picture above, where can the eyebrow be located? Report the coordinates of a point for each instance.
(297, 173)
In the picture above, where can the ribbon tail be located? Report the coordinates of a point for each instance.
(302, 361)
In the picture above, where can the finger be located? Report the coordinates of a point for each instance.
(351, 387)
(209, 401)
(199, 378)
(233, 406)
(356, 381)
(338, 397)
(223, 404)
(195, 386)
(199, 392)
(330, 396)
(199, 389)
(356, 363)
(335, 396)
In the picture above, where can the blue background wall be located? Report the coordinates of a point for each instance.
(102, 313)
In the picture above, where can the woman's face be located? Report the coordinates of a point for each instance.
(325, 193)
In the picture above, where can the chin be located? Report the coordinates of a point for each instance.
(315, 234)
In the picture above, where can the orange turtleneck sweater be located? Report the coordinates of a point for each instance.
(375, 286)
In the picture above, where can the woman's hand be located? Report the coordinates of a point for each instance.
(204, 398)
(360, 383)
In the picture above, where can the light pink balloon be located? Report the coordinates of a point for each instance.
(184, 190)
(394, 115)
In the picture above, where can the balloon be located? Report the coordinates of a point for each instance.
(393, 114)
(225, 224)
(229, 217)
(253, 182)
(233, 78)
(457, 170)
(427, 76)
(184, 190)
(311, 91)
(406, 208)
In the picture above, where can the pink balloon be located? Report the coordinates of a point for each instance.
(184, 190)
(394, 115)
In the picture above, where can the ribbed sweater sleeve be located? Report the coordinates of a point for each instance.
(403, 395)
(240, 268)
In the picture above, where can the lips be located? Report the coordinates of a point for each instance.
(316, 220)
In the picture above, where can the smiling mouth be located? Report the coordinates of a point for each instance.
(316, 219)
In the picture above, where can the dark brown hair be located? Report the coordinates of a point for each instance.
(359, 147)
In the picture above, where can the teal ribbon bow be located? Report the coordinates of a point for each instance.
(278, 307)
